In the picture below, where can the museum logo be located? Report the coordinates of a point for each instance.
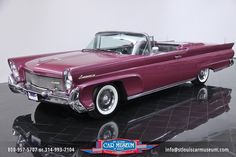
(119, 147)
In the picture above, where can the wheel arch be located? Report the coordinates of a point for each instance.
(126, 85)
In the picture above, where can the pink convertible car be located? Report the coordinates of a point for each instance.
(115, 67)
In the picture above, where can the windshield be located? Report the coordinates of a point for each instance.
(123, 43)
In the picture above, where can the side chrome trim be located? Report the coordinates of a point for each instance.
(158, 89)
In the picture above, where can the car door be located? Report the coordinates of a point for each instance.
(166, 69)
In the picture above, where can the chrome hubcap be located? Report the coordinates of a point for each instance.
(203, 75)
(106, 99)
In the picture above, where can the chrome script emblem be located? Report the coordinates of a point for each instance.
(55, 82)
(86, 76)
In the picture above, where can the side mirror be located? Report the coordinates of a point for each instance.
(155, 49)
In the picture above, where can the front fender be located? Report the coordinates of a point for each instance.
(20, 61)
(132, 84)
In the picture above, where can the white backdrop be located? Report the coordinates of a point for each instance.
(41, 26)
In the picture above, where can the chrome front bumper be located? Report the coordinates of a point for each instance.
(45, 95)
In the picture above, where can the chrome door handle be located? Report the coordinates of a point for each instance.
(178, 56)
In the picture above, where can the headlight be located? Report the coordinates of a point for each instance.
(68, 80)
(14, 71)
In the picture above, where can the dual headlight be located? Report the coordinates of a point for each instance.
(14, 70)
(68, 80)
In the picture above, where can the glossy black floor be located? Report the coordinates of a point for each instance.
(183, 115)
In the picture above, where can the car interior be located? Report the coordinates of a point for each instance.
(157, 48)
(166, 47)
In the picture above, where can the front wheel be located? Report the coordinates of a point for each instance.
(106, 100)
(202, 77)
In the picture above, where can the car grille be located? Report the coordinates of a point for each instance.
(44, 82)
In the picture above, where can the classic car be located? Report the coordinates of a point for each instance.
(154, 118)
(115, 67)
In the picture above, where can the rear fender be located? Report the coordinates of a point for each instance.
(219, 59)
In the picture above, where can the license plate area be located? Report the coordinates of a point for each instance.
(33, 96)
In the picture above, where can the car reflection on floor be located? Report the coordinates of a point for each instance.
(152, 119)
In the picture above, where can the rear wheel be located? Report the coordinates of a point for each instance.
(106, 100)
(202, 77)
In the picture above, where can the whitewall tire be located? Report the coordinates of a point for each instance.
(106, 101)
(202, 77)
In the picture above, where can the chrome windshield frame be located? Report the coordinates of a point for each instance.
(147, 37)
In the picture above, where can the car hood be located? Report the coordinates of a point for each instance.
(56, 64)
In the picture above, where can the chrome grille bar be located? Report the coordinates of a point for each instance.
(44, 82)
